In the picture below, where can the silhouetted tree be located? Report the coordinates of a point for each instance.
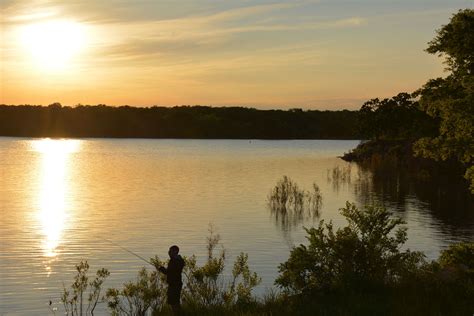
(396, 118)
(451, 100)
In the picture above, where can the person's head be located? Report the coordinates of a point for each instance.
(173, 251)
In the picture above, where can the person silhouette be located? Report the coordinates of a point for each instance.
(173, 278)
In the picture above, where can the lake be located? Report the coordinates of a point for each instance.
(60, 199)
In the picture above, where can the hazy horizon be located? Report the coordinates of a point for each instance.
(258, 107)
(327, 55)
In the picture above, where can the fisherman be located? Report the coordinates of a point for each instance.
(173, 277)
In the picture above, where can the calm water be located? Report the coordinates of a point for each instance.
(60, 198)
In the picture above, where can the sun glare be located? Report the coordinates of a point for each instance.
(54, 190)
(53, 45)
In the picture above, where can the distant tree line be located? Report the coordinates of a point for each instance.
(56, 120)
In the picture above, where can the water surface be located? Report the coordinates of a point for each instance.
(59, 199)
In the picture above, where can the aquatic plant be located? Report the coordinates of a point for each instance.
(315, 199)
(339, 175)
(286, 195)
(290, 204)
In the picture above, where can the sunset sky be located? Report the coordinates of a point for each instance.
(326, 54)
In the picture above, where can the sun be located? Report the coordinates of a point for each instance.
(53, 45)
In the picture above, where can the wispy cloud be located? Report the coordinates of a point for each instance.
(162, 37)
(118, 11)
(243, 12)
(209, 51)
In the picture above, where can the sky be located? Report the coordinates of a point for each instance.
(326, 54)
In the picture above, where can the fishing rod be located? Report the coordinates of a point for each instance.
(127, 250)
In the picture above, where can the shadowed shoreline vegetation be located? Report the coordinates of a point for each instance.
(359, 269)
(432, 128)
(204, 122)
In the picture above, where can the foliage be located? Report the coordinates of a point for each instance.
(206, 285)
(240, 292)
(137, 298)
(469, 175)
(356, 270)
(457, 268)
(459, 254)
(74, 301)
(451, 100)
(456, 42)
(363, 254)
(175, 122)
(359, 270)
(399, 117)
(437, 119)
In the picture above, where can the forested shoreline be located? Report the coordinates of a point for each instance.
(433, 127)
(205, 122)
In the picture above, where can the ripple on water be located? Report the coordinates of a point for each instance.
(60, 200)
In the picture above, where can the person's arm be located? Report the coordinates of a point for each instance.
(161, 268)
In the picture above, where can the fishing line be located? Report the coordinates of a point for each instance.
(127, 250)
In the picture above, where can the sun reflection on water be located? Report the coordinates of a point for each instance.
(54, 204)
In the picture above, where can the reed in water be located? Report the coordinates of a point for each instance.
(291, 205)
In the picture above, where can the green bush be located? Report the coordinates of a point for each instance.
(364, 254)
(459, 254)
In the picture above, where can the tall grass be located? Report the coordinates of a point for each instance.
(290, 204)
